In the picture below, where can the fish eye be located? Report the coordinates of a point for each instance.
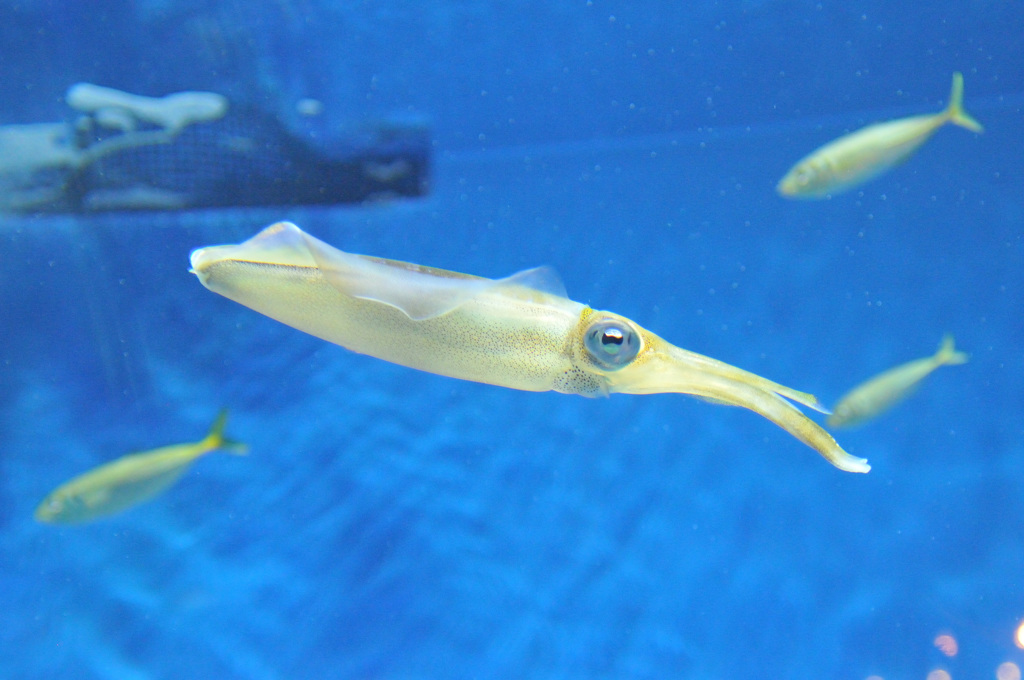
(612, 344)
(803, 177)
(50, 508)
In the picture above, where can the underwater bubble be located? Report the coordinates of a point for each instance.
(946, 644)
(1008, 670)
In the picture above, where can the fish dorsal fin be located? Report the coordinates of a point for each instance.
(419, 292)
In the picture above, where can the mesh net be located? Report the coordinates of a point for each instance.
(247, 158)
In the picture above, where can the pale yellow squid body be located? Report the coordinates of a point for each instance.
(520, 332)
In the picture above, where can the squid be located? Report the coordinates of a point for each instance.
(520, 332)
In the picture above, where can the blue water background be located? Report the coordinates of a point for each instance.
(396, 524)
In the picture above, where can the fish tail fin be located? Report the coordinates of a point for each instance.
(955, 111)
(947, 355)
(216, 439)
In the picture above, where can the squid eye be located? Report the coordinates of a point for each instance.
(611, 344)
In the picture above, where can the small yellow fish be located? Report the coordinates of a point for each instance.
(885, 390)
(859, 156)
(129, 480)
